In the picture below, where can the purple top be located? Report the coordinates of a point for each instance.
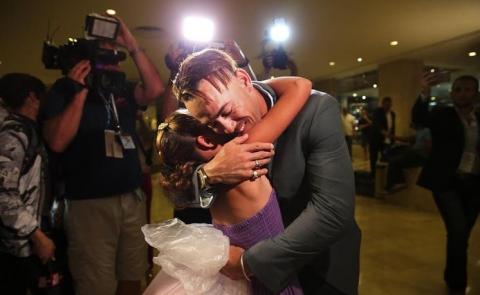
(267, 223)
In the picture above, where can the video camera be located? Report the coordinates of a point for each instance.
(98, 29)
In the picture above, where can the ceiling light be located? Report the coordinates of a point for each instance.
(364, 97)
(199, 29)
(472, 53)
(354, 95)
(359, 59)
(394, 43)
(432, 70)
(110, 11)
(375, 85)
(332, 63)
(433, 98)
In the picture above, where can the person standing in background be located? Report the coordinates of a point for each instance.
(348, 121)
(25, 249)
(452, 173)
(383, 131)
(94, 131)
(365, 128)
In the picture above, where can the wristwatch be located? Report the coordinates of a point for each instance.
(202, 178)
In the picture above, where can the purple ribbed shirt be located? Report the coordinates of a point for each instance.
(267, 223)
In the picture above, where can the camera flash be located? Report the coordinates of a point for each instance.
(111, 12)
(198, 29)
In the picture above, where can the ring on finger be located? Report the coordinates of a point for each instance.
(254, 174)
(257, 164)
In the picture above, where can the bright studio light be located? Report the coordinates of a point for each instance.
(280, 31)
(198, 29)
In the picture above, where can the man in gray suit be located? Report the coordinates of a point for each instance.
(311, 173)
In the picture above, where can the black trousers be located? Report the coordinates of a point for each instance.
(374, 149)
(19, 274)
(459, 209)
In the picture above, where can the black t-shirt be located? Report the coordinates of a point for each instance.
(88, 172)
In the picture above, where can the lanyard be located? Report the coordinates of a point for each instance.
(112, 113)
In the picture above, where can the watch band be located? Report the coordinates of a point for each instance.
(203, 178)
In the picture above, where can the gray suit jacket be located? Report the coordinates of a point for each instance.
(313, 178)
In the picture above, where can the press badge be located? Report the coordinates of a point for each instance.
(127, 142)
(113, 149)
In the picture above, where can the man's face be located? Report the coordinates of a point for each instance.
(230, 111)
(464, 93)
(110, 45)
(386, 104)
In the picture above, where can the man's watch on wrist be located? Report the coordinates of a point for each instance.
(202, 178)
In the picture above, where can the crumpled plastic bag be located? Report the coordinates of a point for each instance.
(194, 255)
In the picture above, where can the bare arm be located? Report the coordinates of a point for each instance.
(293, 93)
(60, 130)
(151, 86)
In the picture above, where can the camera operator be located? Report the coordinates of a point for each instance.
(95, 133)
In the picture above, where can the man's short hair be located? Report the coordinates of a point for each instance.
(16, 87)
(210, 64)
(467, 78)
(386, 98)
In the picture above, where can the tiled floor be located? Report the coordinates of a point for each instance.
(402, 249)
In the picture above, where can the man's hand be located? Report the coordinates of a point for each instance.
(125, 37)
(427, 80)
(43, 247)
(236, 161)
(233, 268)
(80, 71)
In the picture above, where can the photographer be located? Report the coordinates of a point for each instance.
(24, 247)
(94, 130)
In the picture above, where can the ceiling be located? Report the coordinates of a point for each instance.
(440, 32)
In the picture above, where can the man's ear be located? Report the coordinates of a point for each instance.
(244, 77)
(204, 142)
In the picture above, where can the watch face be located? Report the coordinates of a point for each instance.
(206, 198)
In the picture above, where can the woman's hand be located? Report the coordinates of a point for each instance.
(236, 161)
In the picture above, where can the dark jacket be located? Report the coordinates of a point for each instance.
(448, 141)
(313, 177)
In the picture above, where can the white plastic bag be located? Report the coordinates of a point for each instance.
(194, 255)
